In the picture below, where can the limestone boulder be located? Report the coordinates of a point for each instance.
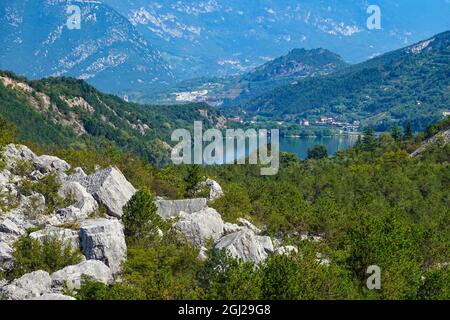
(31, 285)
(84, 203)
(110, 188)
(104, 240)
(200, 227)
(286, 250)
(169, 209)
(246, 245)
(73, 276)
(215, 190)
(247, 224)
(66, 236)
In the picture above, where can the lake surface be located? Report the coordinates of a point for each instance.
(300, 146)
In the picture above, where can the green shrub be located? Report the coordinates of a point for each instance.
(318, 152)
(436, 284)
(48, 187)
(51, 255)
(140, 218)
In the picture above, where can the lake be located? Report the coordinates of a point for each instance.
(300, 146)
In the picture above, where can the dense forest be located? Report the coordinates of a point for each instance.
(373, 204)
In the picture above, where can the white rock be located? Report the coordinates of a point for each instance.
(169, 209)
(9, 226)
(110, 188)
(14, 153)
(247, 224)
(72, 276)
(286, 251)
(322, 260)
(5, 176)
(215, 190)
(47, 164)
(246, 246)
(231, 228)
(200, 227)
(5, 256)
(54, 297)
(77, 175)
(67, 236)
(84, 205)
(104, 240)
(203, 254)
(29, 286)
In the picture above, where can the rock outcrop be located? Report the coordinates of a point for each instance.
(168, 209)
(443, 136)
(215, 190)
(104, 240)
(84, 205)
(44, 164)
(66, 236)
(200, 227)
(73, 276)
(110, 188)
(246, 245)
(54, 297)
(29, 286)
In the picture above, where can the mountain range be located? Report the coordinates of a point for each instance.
(36, 42)
(146, 44)
(222, 37)
(234, 90)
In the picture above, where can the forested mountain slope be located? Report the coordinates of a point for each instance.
(68, 112)
(411, 83)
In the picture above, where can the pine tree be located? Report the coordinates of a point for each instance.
(369, 141)
(192, 179)
(409, 135)
(396, 133)
(140, 218)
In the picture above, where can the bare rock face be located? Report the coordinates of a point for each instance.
(31, 285)
(247, 224)
(215, 190)
(169, 209)
(47, 164)
(231, 228)
(14, 153)
(72, 276)
(442, 137)
(66, 236)
(110, 188)
(6, 258)
(84, 205)
(104, 240)
(247, 246)
(200, 227)
(43, 164)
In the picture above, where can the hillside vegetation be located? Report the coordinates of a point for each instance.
(411, 83)
(61, 112)
(373, 204)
